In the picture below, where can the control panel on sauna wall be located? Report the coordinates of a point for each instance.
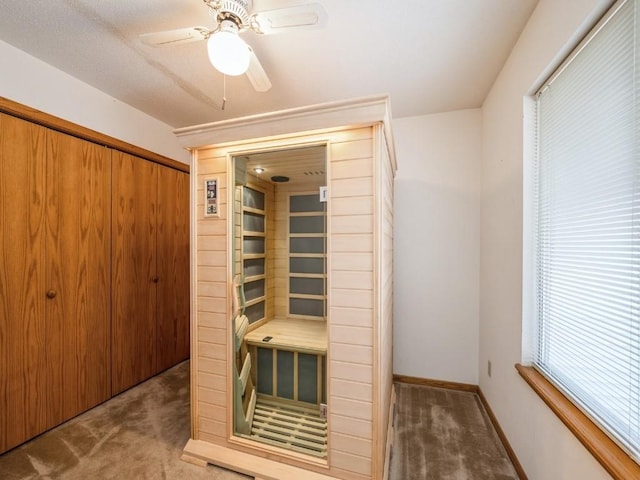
(211, 197)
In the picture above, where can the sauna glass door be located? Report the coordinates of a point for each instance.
(279, 318)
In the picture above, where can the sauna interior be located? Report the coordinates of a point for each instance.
(279, 308)
(291, 295)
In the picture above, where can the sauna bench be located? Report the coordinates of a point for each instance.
(304, 336)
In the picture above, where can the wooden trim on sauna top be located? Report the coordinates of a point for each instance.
(613, 458)
(470, 388)
(46, 120)
(351, 113)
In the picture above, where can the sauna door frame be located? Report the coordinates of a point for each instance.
(271, 145)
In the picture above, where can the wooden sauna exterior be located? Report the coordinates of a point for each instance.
(360, 170)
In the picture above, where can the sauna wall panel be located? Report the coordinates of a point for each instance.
(212, 303)
(269, 209)
(281, 252)
(281, 237)
(384, 326)
(271, 246)
(351, 227)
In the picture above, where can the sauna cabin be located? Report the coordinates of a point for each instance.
(292, 225)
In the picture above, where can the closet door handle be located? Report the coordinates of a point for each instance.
(155, 279)
(51, 294)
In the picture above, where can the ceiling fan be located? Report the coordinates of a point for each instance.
(229, 53)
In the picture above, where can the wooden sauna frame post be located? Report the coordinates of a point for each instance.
(359, 360)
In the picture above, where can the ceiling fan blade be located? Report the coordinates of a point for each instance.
(289, 19)
(174, 37)
(256, 74)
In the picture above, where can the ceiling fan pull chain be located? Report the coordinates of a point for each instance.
(224, 90)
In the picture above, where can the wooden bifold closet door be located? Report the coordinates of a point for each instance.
(55, 236)
(150, 325)
(133, 270)
(173, 268)
(78, 207)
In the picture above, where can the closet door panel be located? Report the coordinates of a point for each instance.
(78, 273)
(23, 378)
(173, 267)
(134, 274)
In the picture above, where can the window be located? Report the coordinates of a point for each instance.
(586, 335)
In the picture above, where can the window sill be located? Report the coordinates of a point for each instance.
(615, 460)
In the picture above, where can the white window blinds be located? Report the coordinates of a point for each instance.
(587, 196)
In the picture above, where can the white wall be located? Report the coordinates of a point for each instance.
(546, 449)
(437, 246)
(31, 82)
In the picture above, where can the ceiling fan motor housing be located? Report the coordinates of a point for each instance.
(236, 10)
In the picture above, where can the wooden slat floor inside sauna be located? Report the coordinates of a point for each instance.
(289, 426)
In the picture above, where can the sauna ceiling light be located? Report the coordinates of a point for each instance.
(258, 170)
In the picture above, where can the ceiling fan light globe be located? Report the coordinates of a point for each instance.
(228, 53)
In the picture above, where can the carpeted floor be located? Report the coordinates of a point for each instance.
(445, 435)
(139, 434)
(440, 435)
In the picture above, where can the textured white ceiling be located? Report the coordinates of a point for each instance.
(428, 55)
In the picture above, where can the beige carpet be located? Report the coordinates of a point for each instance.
(440, 435)
(136, 435)
(445, 435)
